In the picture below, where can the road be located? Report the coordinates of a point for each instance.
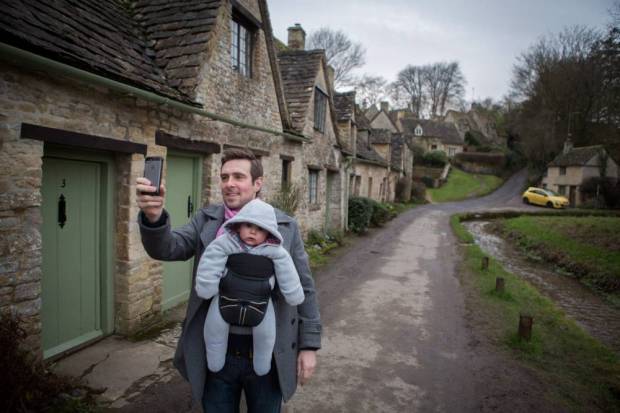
(398, 336)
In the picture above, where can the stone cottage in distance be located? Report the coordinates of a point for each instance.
(81, 103)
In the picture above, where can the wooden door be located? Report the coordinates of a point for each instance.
(182, 183)
(71, 234)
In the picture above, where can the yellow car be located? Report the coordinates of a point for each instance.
(544, 197)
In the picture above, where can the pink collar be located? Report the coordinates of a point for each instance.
(228, 214)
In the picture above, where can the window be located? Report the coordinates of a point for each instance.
(313, 184)
(320, 109)
(562, 170)
(433, 147)
(241, 48)
(369, 186)
(286, 173)
(418, 131)
(451, 151)
(562, 189)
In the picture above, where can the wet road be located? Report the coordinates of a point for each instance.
(395, 331)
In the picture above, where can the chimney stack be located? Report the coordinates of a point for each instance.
(568, 145)
(296, 37)
(385, 106)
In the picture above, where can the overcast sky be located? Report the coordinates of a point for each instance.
(484, 36)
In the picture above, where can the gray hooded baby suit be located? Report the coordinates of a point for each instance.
(212, 268)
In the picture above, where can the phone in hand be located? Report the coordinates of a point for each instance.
(153, 166)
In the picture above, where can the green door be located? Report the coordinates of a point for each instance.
(182, 183)
(71, 281)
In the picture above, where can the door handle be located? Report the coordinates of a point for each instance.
(62, 211)
(190, 206)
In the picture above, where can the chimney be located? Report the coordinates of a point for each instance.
(385, 106)
(568, 145)
(330, 76)
(296, 37)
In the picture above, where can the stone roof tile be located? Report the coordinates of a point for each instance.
(446, 132)
(577, 156)
(345, 105)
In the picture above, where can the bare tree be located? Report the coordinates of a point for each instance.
(409, 88)
(451, 85)
(370, 90)
(342, 53)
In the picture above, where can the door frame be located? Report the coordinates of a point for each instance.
(108, 233)
(197, 160)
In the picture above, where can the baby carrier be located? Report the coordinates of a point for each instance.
(245, 289)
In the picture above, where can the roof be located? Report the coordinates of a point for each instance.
(299, 69)
(380, 136)
(446, 132)
(362, 121)
(577, 156)
(152, 44)
(345, 105)
(365, 152)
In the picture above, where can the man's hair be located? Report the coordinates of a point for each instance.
(256, 168)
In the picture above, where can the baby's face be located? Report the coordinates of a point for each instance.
(252, 234)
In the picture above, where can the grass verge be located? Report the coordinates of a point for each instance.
(587, 247)
(580, 372)
(462, 185)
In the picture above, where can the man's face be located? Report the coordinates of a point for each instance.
(236, 183)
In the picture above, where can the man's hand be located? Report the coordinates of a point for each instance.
(306, 362)
(151, 205)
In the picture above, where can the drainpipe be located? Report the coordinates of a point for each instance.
(22, 57)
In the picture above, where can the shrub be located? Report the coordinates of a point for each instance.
(428, 182)
(315, 237)
(418, 191)
(471, 139)
(360, 212)
(335, 235)
(437, 159)
(380, 214)
(606, 188)
(286, 199)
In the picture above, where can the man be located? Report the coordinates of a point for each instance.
(298, 329)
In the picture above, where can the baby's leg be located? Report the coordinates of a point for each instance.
(264, 338)
(216, 336)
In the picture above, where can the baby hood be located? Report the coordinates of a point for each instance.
(258, 213)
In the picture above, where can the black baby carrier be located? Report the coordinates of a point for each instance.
(245, 289)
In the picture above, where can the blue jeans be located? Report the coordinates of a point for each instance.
(223, 389)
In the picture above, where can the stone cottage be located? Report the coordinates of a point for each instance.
(87, 90)
(573, 166)
(309, 92)
(433, 135)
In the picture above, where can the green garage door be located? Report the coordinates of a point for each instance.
(71, 281)
(182, 184)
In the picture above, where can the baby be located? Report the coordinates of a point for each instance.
(237, 270)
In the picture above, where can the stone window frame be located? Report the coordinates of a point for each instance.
(562, 170)
(313, 185)
(243, 28)
(287, 166)
(320, 109)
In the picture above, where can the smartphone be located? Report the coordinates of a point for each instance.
(153, 166)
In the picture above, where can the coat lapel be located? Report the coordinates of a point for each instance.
(215, 213)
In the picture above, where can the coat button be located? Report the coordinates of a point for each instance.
(293, 346)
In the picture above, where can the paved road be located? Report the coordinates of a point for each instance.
(395, 330)
(396, 333)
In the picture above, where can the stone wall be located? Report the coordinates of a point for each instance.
(366, 171)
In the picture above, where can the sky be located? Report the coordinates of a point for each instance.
(484, 36)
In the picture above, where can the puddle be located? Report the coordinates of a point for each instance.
(589, 311)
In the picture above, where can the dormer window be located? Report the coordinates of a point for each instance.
(320, 109)
(418, 131)
(241, 31)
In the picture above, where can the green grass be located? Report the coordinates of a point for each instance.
(462, 185)
(588, 247)
(579, 371)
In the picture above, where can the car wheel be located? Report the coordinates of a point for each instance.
(549, 204)
(526, 201)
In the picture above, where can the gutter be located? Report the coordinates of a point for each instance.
(22, 57)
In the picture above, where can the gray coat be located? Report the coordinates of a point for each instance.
(296, 327)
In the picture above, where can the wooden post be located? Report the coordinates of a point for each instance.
(499, 284)
(485, 263)
(525, 326)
